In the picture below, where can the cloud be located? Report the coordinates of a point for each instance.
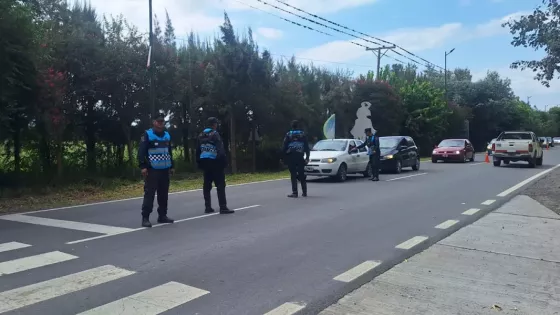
(270, 33)
(413, 39)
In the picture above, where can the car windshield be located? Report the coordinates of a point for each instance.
(388, 143)
(516, 136)
(330, 145)
(452, 143)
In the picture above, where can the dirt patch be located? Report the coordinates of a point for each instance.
(547, 191)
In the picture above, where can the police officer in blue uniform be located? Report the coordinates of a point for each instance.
(295, 147)
(156, 162)
(372, 143)
(211, 159)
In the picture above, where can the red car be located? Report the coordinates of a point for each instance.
(460, 150)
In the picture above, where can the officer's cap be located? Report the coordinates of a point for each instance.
(367, 130)
(159, 117)
(212, 120)
(295, 123)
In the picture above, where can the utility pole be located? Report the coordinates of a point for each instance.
(377, 52)
(151, 68)
(445, 76)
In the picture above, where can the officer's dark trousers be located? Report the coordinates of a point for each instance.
(214, 173)
(296, 166)
(156, 181)
(375, 164)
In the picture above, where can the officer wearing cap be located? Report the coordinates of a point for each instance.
(295, 147)
(372, 143)
(156, 162)
(211, 159)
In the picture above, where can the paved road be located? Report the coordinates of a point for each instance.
(275, 255)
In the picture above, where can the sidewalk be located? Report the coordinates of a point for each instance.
(508, 262)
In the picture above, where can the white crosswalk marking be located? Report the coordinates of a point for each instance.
(46, 290)
(12, 246)
(72, 225)
(26, 263)
(151, 302)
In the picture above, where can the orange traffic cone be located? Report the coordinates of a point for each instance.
(547, 147)
(486, 159)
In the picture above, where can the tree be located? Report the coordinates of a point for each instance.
(539, 30)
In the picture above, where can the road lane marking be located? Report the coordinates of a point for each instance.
(473, 164)
(46, 290)
(471, 211)
(150, 302)
(412, 242)
(525, 182)
(4, 247)
(447, 224)
(157, 225)
(139, 198)
(488, 202)
(71, 225)
(287, 309)
(357, 271)
(392, 179)
(31, 262)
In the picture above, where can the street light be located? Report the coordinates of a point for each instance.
(151, 67)
(445, 74)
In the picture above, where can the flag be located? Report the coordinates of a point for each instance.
(328, 127)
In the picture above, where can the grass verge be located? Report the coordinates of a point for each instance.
(111, 190)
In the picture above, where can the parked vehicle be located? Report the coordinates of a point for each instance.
(550, 141)
(334, 158)
(513, 146)
(398, 152)
(543, 141)
(489, 146)
(460, 150)
(556, 140)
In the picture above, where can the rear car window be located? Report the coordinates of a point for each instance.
(516, 136)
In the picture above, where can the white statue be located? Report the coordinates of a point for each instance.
(364, 121)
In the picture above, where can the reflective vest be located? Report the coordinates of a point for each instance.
(295, 141)
(208, 149)
(158, 150)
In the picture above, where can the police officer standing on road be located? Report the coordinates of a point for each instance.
(372, 143)
(211, 158)
(156, 162)
(295, 146)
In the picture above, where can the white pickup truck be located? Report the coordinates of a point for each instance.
(513, 146)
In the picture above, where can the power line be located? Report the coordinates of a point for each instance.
(337, 30)
(310, 28)
(355, 31)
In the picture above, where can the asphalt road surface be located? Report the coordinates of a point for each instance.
(274, 256)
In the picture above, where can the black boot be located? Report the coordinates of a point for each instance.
(225, 210)
(293, 195)
(208, 210)
(146, 222)
(165, 219)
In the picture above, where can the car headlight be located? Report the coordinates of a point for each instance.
(457, 152)
(388, 157)
(329, 160)
(434, 152)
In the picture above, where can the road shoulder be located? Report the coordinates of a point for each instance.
(508, 261)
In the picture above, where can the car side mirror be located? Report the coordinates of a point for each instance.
(403, 147)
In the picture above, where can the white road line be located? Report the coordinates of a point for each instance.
(471, 211)
(287, 309)
(357, 271)
(4, 247)
(392, 179)
(156, 225)
(46, 290)
(473, 164)
(447, 224)
(525, 182)
(31, 262)
(71, 225)
(138, 198)
(488, 202)
(412, 242)
(150, 302)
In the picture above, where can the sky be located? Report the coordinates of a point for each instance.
(427, 28)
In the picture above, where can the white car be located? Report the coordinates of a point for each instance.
(513, 146)
(332, 158)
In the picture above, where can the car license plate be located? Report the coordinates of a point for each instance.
(511, 151)
(445, 155)
(309, 168)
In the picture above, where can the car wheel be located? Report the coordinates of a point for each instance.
(369, 171)
(532, 162)
(497, 162)
(539, 161)
(342, 174)
(398, 167)
(434, 160)
(472, 158)
(416, 166)
(465, 159)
